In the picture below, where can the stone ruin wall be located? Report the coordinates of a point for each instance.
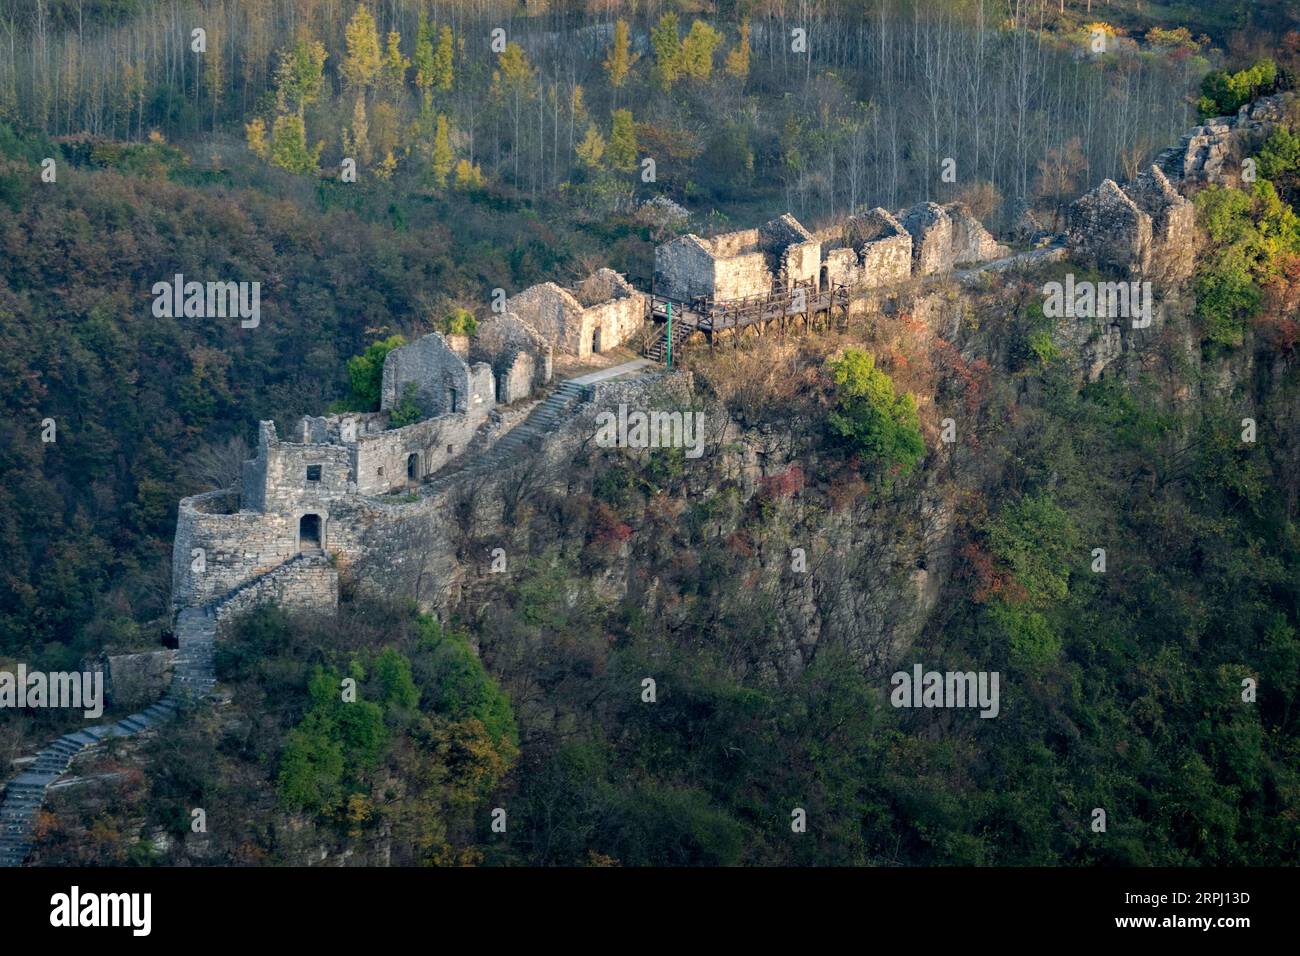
(237, 547)
(684, 269)
(741, 276)
(1144, 230)
(411, 548)
(440, 376)
(299, 585)
(867, 251)
(381, 459)
(568, 319)
(1210, 154)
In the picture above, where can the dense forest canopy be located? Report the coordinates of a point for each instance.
(827, 105)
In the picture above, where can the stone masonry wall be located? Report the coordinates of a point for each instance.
(618, 320)
(684, 269)
(236, 547)
(440, 376)
(381, 460)
(301, 585)
(286, 470)
(932, 238)
(740, 277)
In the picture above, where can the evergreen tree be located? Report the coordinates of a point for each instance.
(592, 148)
(356, 140)
(300, 77)
(622, 142)
(738, 58)
(395, 64)
(442, 154)
(361, 65)
(696, 59)
(468, 175)
(289, 148)
(256, 135)
(424, 62)
(443, 70)
(620, 59)
(668, 50)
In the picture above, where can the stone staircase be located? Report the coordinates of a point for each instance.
(26, 792)
(527, 434)
(194, 677)
(196, 629)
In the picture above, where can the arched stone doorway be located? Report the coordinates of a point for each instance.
(413, 467)
(309, 533)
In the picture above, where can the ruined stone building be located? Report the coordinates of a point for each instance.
(329, 488)
(1147, 228)
(738, 265)
(1144, 229)
(869, 250)
(294, 491)
(600, 313)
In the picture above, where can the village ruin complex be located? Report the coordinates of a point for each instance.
(349, 493)
(335, 487)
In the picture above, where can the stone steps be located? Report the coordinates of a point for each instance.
(193, 677)
(540, 422)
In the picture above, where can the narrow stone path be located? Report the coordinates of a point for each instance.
(541, 421)
(194, 677)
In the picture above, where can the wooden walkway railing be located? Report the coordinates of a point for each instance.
(802, 306)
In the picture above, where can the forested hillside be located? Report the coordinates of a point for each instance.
(530, 151)
(490, 161)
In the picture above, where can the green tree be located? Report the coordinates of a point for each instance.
(366, 374)
(592, 148)
(300, 76)
(1251, 234)
(460, 688)
(1223, 93)
(622, 147)
(667, 45)
(1279, 162)
(444, 74)
(392, 672)
(443, 159)
(289, 148)
(697, 51)
(459, 322)
(878, 425)
(361, 65)
(737, 64)
(356, 138)
(407, 411)
(395, 65)
(423, 62)
(620, 59)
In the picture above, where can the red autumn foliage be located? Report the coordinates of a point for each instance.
(739, 543)
(989, 581)
(1279, 320)
(606, 527)
(785, 484)
(970, 378)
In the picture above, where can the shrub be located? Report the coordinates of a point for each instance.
(407, 411)
(870, 419)
(1223, 93)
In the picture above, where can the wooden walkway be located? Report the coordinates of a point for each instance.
(802, 307)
